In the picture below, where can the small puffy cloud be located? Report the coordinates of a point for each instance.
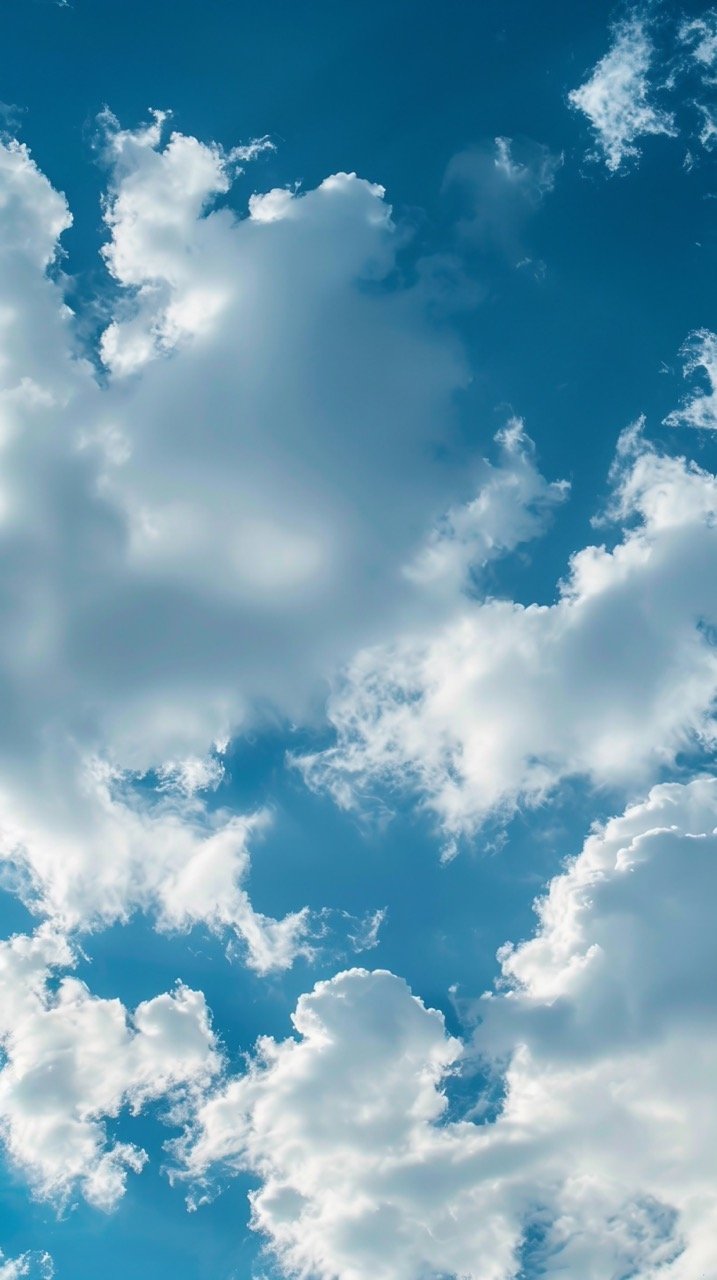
(365, 936)
(700, 409)
(601, 1158)
(618, 97)
(71, 1061)
(491, 704)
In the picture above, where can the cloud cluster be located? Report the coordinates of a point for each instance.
(207, 526)
(618, 96)
(655, 56)
(71, 1061)
(601, 1159)
(230, 502)
(36, 1266)
(490, 704)
(607, 1016)
(513, 505)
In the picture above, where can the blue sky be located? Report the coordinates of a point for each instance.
(357, 512)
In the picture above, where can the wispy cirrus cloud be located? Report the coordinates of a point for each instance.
(618, 97)
(71, 1061)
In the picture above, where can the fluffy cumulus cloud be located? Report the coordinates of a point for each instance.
(490, 704)
(600, 1160)
(205, 525)
(656, 57)
(700, 408)
(607, 1018)
(254, 479)
(618, 97)
(342, 1124)
(71, 1061)
(163, 853)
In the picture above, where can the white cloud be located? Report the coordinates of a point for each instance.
(195, 534)
(206, 530)
(700, 37)
(700, 409)
(71, 1061)
(490, 704)
(601, 1159)
(513, 505)
(618, 96)
(365, 938)
(357, 1178)
(608, 1016)
(164, 854)
(36, 1266)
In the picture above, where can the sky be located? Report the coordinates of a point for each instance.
(358, 640)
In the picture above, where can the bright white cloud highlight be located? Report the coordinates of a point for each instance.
(358, 1179)
(601, 1160)
(72, 1061)
(163, 854)
(618, 97)
(490, 704)
(608, 1017)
